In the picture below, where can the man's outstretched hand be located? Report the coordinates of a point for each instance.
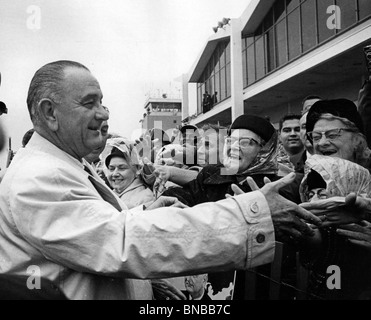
(287, 216)
(165, 202)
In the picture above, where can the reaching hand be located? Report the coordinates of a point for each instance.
(166, 202)
(360, 205)
(164, 290)
(286, 215)
(359, 234)
(337, 211)
(162, 174)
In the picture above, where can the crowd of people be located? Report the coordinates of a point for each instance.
(104, 217)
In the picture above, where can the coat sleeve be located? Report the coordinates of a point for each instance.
(63, 218)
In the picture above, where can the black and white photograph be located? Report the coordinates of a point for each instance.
(184, 150)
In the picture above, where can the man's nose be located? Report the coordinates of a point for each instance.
(102, 113)
(293, 132)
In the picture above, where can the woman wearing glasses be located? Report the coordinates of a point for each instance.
(250, 150)
(335, 129)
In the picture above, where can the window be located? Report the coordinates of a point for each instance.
(216, 58)
(271, 65)
(222, 58)
(308, 25)
(294, 34)
(281, 44)
(199, 99)
(291, 5)
(291, 28)
(260, 61)
(228, 53)
(228, 79)
(364, 7)
(348, 13)
(323, 31)
(279, 10)
(217, 84)
(222, 84)
(251, 64)
(268, 20)
(244, 68)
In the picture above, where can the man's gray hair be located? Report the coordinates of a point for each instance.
(46, 83)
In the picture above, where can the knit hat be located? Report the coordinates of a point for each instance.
(258, 125)
(343, 108)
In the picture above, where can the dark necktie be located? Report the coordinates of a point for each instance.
(103, 190)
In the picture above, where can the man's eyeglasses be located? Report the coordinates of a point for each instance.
(243, 142)
(333, 134)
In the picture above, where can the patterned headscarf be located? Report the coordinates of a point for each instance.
(127, 148)
(341, 176)
(264, 163)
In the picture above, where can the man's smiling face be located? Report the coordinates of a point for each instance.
(80, 113)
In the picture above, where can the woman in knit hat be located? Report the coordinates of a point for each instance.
(250, 150)
(335, 128)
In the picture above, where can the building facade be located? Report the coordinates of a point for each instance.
(162, 113)
(277, 53)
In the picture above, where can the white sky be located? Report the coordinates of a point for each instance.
(131, 46)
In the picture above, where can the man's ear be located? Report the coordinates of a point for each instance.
(47, 113)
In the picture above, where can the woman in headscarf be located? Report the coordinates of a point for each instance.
(123, 168)
(123, 171)
(334, 178)
(250, 150)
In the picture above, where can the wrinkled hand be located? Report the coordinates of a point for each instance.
(337, 211)
(286, 215)
(162, 174)
(359, 234)
(360, 205)
(164, 290)
(166, 202)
